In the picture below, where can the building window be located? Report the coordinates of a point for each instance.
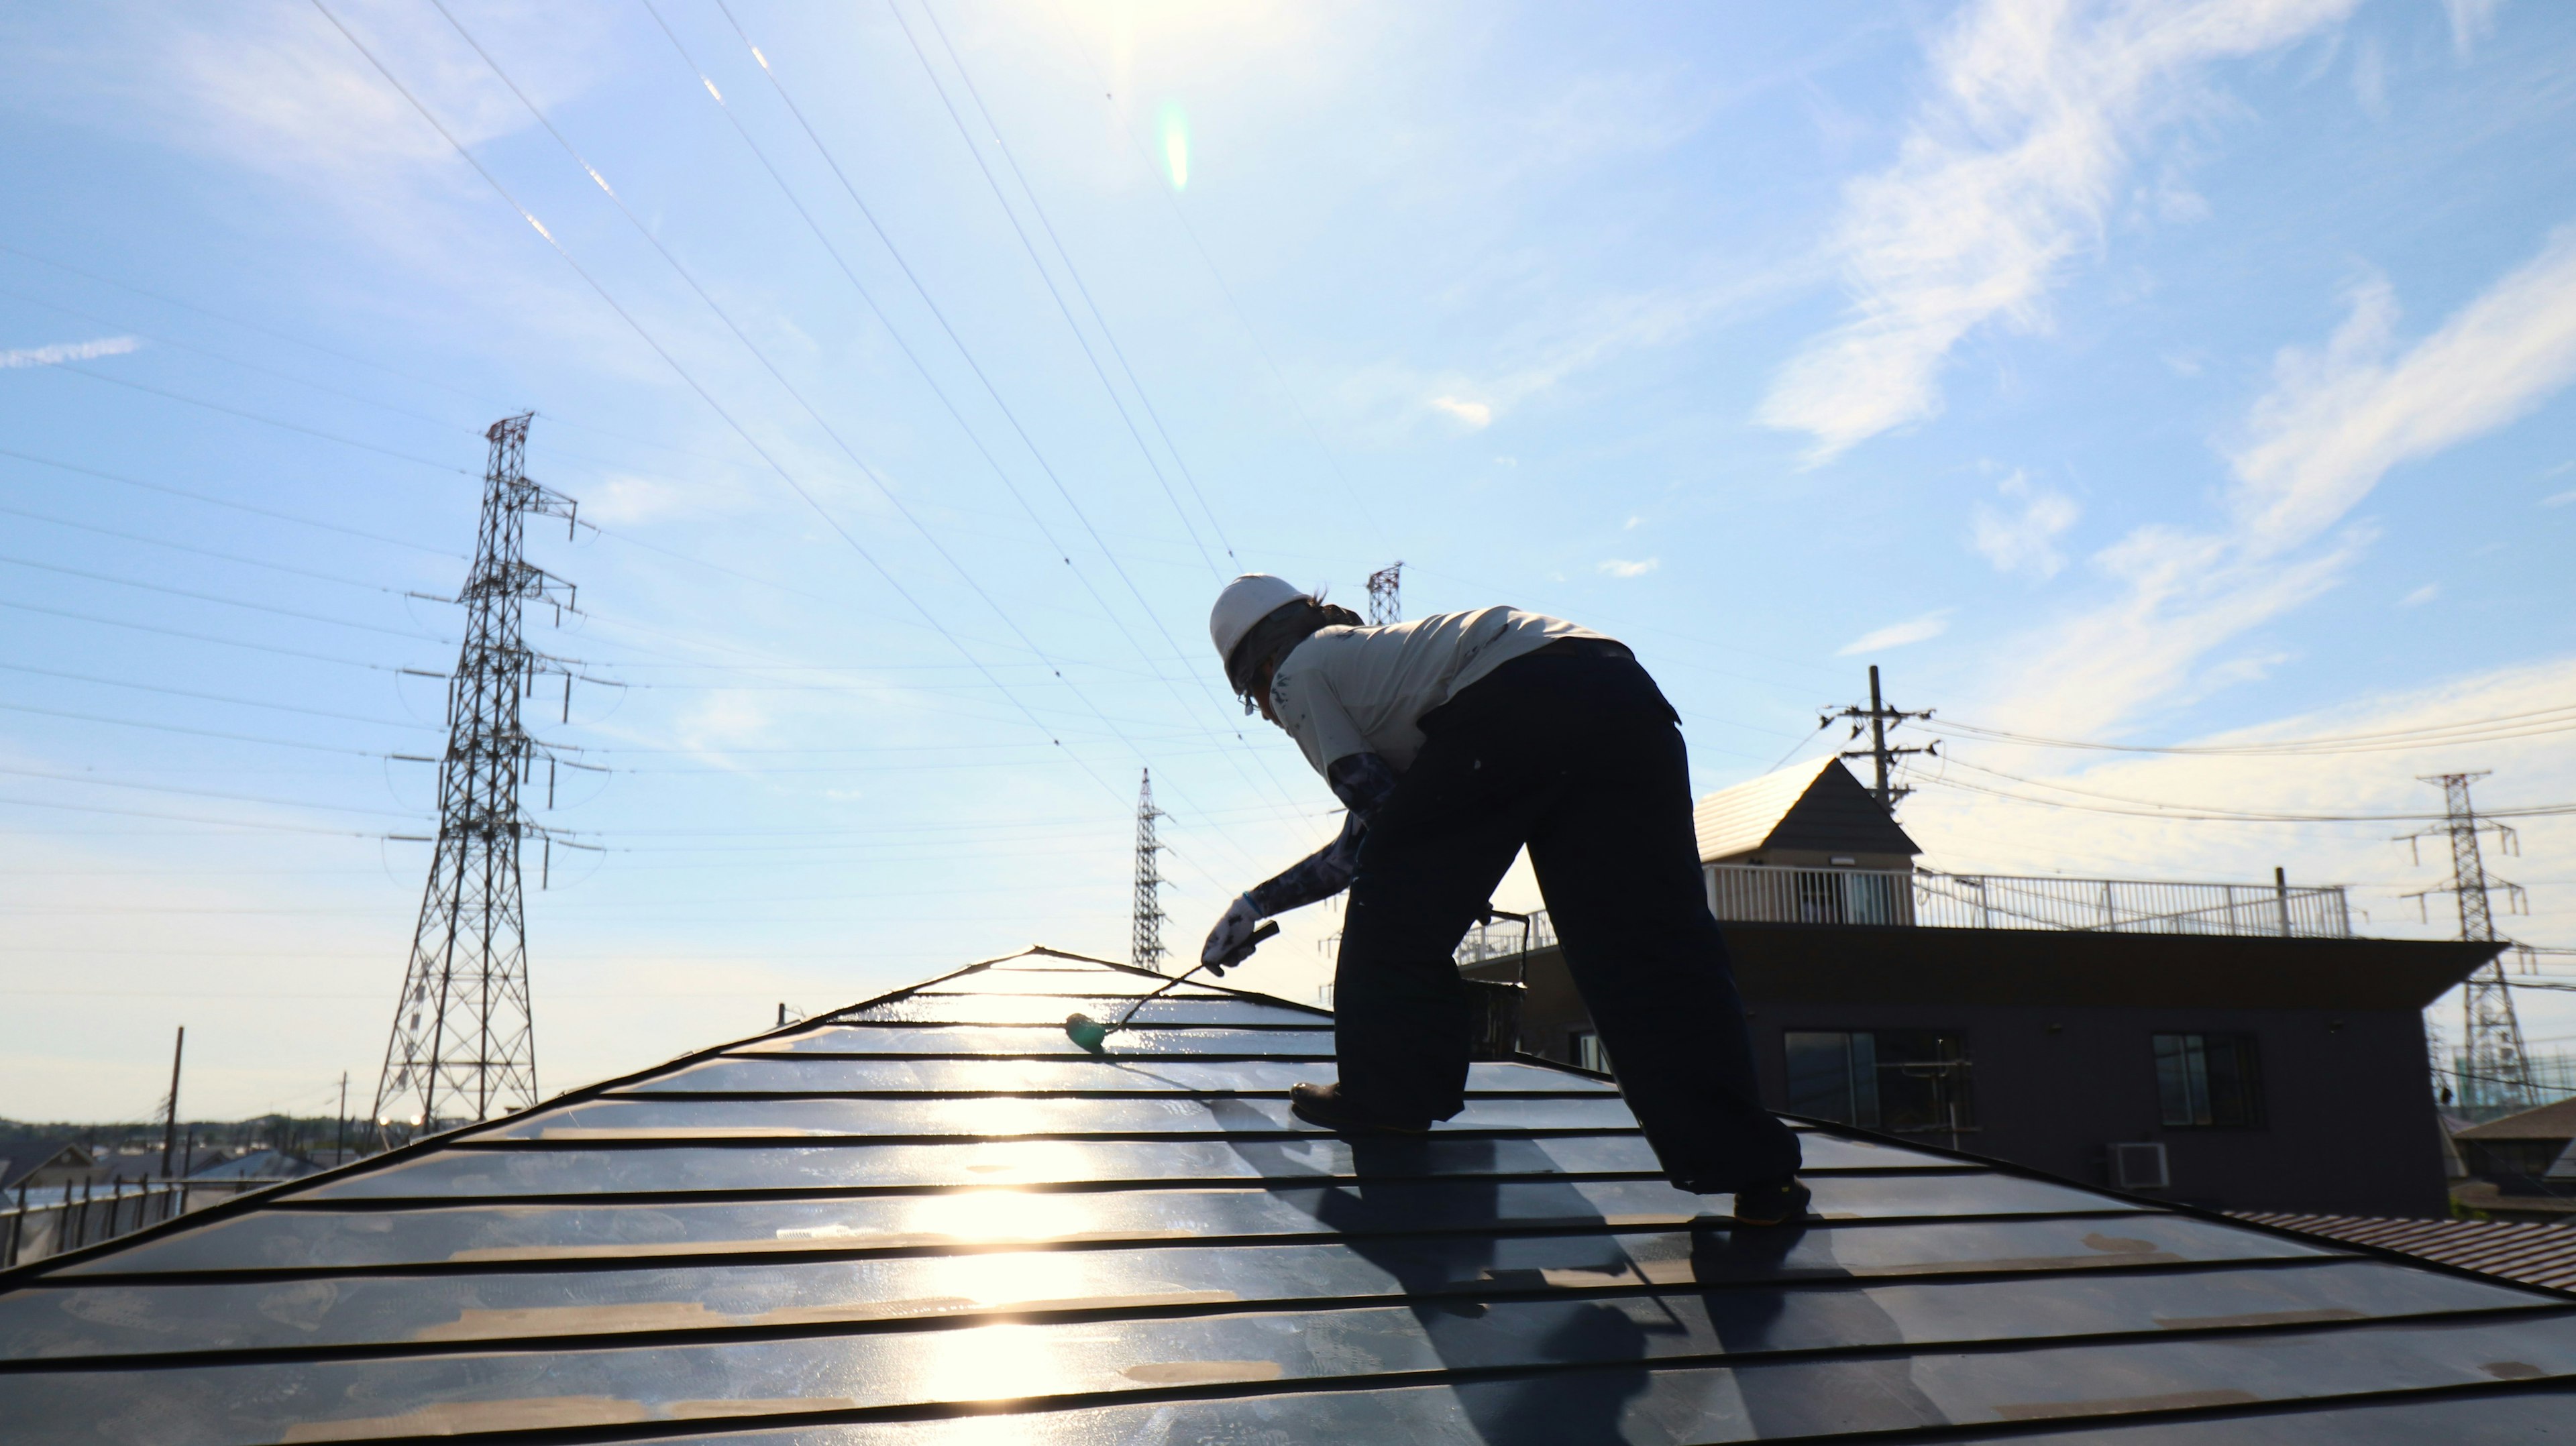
(1902, 1081)
(1586, 1048)
(2208, 1080)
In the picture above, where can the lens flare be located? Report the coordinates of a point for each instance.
(1174, 124)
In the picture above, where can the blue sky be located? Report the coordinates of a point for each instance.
(2137, 373)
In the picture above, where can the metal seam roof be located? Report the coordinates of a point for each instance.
(824, 1235)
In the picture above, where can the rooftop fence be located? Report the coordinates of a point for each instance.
(36, 1223)
(1760, 894)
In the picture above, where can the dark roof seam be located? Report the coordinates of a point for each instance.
(750, 1332)
(1324, 1385)
(653, 1262)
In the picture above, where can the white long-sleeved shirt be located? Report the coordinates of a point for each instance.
(1364, 690)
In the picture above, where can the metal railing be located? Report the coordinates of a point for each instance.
(1759, 894)
(35, 1225)
(1505, 939)
(1756, 894)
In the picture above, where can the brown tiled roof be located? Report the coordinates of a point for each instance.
(2530, 1252)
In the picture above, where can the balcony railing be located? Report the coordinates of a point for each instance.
(1757, 894)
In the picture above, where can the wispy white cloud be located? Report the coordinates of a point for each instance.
(2560, 499)
(1617, 568)
(2421, 595)
(2471, 22)
(2026, 542)
(1474, 415)
(2037, 110)
(68, 351)
(2370, 76)
(2335, 420)
(1897, 635)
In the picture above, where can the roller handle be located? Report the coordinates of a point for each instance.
(1269, 930)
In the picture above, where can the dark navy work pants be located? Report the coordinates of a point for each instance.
(1573, 752)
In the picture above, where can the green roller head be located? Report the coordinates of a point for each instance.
(1086, 1032)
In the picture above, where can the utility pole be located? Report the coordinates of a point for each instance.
(463, 1045)
(1384, 585)
(1145, 949)
(1880, 718)
(2491, 1046)
(170, 1121)
(340, 1130)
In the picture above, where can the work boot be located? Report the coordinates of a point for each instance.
(1324, 1105)
(1773, 1202)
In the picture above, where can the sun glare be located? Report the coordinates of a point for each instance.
(1173, 124)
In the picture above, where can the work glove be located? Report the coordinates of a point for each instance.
(1230, 934)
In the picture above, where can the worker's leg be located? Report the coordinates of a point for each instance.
(1618, 860)
(1435, 851)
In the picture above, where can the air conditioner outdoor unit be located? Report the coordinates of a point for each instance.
(2139, 1165)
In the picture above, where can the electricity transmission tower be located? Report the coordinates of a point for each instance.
(1384, 604)
(464, 1045)
(1881, 718)
(2491, 1053)
(1146, 948)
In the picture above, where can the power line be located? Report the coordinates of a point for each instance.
(2523, 725)
(1259, 348)
(2201, 813)
(250, 416)
(964, 352)
(673, 362)
(203, 793)
(213, 598)
(193, 732)
(200, 551)
(207, 697)
(348, 356)
(443, 423)
(223, 502)
(973, 437)
(1151, 463)
(210, 638)
(189, 818)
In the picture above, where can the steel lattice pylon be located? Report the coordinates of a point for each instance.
(1145, 949)
(1386, 595)
(2491, 1050)
(464, 1042)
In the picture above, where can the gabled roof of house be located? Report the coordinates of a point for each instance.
(1816, 805)
(929, 1220)
(22, 1158)
(2548, 1122)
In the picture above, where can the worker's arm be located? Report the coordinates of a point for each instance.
(1362, 782)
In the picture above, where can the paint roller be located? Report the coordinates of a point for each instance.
(1093, 1036)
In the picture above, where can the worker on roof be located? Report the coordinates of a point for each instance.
(1455, 740)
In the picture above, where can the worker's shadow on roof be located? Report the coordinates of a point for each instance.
(1433, 1214)
(1447, 1184)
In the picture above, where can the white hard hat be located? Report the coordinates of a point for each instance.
(1247, 600)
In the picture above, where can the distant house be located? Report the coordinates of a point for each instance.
(39, 1164)
(2527, 1160)
(1815, 815)
(259, 1165)
(2226, 1044)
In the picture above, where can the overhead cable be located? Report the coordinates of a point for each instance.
(664, 353)
(1152, 464)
